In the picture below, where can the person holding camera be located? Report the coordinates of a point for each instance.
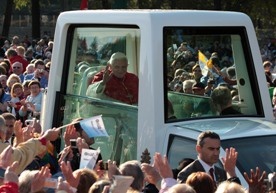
(32, 105)
(77, 139)
(40, 73)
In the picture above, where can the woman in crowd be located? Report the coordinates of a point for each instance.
(17, 99)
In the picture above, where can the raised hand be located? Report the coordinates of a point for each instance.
(151, 174)
(81, 144)
(112, 169)
(162, 165)
(229, 162)
(6, 157)
(10, 175)
(68, 174)
(106, 75)
(39, 179)
(256, 181)
(51, 134)
(70, 133)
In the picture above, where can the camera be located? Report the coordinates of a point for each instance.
(74, 147)
(104, 165)
(211, 81)
(270, 182)
(29, 122)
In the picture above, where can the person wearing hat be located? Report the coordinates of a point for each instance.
(114, 82)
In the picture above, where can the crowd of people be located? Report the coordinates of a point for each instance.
(24, 72)
(187, 75)
(29, 162)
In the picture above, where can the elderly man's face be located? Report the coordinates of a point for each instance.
(17, 68)
(119, 68)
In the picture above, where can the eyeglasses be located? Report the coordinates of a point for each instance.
(16, 67)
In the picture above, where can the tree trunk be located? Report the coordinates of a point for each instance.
(105, 4)
(119, 4)
(156, 4)
(7, 19)
(217, 4)
(173, 4)
(35, 19)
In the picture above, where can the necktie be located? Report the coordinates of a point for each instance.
(211, 172)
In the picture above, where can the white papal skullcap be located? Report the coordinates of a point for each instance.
(117, 56)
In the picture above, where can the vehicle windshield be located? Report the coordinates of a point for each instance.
(262, 154)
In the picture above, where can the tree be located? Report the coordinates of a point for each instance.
(34, 6)
(35, 19)
(7, 20)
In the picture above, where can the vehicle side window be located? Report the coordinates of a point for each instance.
(209, 73)
(181, 148)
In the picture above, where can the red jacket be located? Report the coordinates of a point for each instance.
(122, 89)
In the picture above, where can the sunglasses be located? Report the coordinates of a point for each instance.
(16, 67)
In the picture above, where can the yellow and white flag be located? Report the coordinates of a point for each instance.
(203, 63)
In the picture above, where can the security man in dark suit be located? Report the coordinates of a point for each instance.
(208, 149)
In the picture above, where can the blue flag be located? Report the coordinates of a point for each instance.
(94, 126)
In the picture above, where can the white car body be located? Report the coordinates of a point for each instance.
(147, 59)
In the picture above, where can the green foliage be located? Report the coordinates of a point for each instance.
(19, 4)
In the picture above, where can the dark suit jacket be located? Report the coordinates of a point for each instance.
(196, 166)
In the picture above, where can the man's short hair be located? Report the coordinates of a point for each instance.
(34, 82)
(38, 62)
(11, 52)
(195, 66)
(188, 84)
(132, 168)
(8, 116)
(221, 96)
(267, 64)
(117, 56)
(206, 134)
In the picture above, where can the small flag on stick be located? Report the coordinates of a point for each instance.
(94, 126)
(202, 61)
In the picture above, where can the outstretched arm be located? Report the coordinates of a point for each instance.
(256, 181)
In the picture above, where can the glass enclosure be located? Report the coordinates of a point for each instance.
(198, 60)
(89, 49)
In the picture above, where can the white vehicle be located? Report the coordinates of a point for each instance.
(83, 43)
